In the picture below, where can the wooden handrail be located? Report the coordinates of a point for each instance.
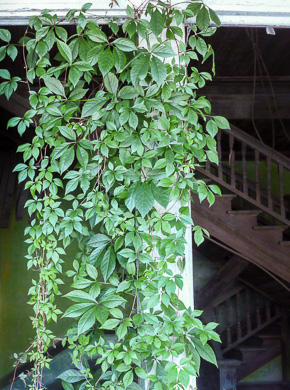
(248, 187)
(245, 313)
(259, 146)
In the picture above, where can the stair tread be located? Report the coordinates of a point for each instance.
(228, 196)
(284, 243)
(244, 212)
(270, 227)
(252, 348)
(270, 336)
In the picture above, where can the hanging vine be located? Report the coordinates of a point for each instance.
(119, 131)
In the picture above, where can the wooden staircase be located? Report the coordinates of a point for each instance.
(242, 315)
(251, 221)
(263, 245)
(238, 151)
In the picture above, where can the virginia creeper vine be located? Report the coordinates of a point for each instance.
(118, 131)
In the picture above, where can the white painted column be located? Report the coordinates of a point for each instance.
(186, 294)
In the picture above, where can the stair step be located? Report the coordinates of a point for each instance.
(284, 243)
(270, 336)
(244, 212)
(268, 227)
(252, 348)
(228, 196)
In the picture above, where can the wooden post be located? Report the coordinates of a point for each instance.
(228, 377)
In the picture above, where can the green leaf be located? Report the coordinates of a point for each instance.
(102, 314)
(140, 372)
(5, 35)
(67, 132)
(74, 76)
(158, 70)
(198, 236)
(212, 156)
(67, 159)
(153, 301)
(61, 33)
(202, 19)
(67, 386)
(77, 310)
(106, 61)
(128, 92)
(119, 59)
(205, 352)
(164, 51)
(71, 376)
(140, 69)
(124, 44)
(144, 199)
(86, 7)
(108, 263)
(211, 128)
(97, 36)
(99, 241)
(128, 378)
(5, 74)
(82, 156)
(64, 50)
(87, 321)
(92, 106)
(201, 46)
(54, 85)
(12, 52)
(13, 122)
(161, 195)
(110, 324)
(214, 17)
(221, 122)
(111, 83)
(80, 296)
(157, 23)
(93, 55)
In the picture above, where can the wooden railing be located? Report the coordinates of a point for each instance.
(242, 159)
(242, 315)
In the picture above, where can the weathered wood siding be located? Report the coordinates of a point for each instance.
(231, 12)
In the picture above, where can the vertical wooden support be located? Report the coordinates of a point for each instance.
(258, 311)
(245, 178)
(219, 147)
(248, 311)
(239, 328)
(228, 320)
(281, 180)
(258, 190)
(269, 183)
(228, 377)
(285, 350)
(268, 310)
(232, 162)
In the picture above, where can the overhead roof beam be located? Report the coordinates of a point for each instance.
(231, 12)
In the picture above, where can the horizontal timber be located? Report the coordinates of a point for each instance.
(261, 13)
(233, 98)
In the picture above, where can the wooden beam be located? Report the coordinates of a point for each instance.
(17, 104)
(231, 12)
(222, 228)
(233, 98)
(221, 281)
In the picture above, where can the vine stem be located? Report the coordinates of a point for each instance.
(18, 362)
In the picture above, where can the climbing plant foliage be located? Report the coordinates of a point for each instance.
(118, 132)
